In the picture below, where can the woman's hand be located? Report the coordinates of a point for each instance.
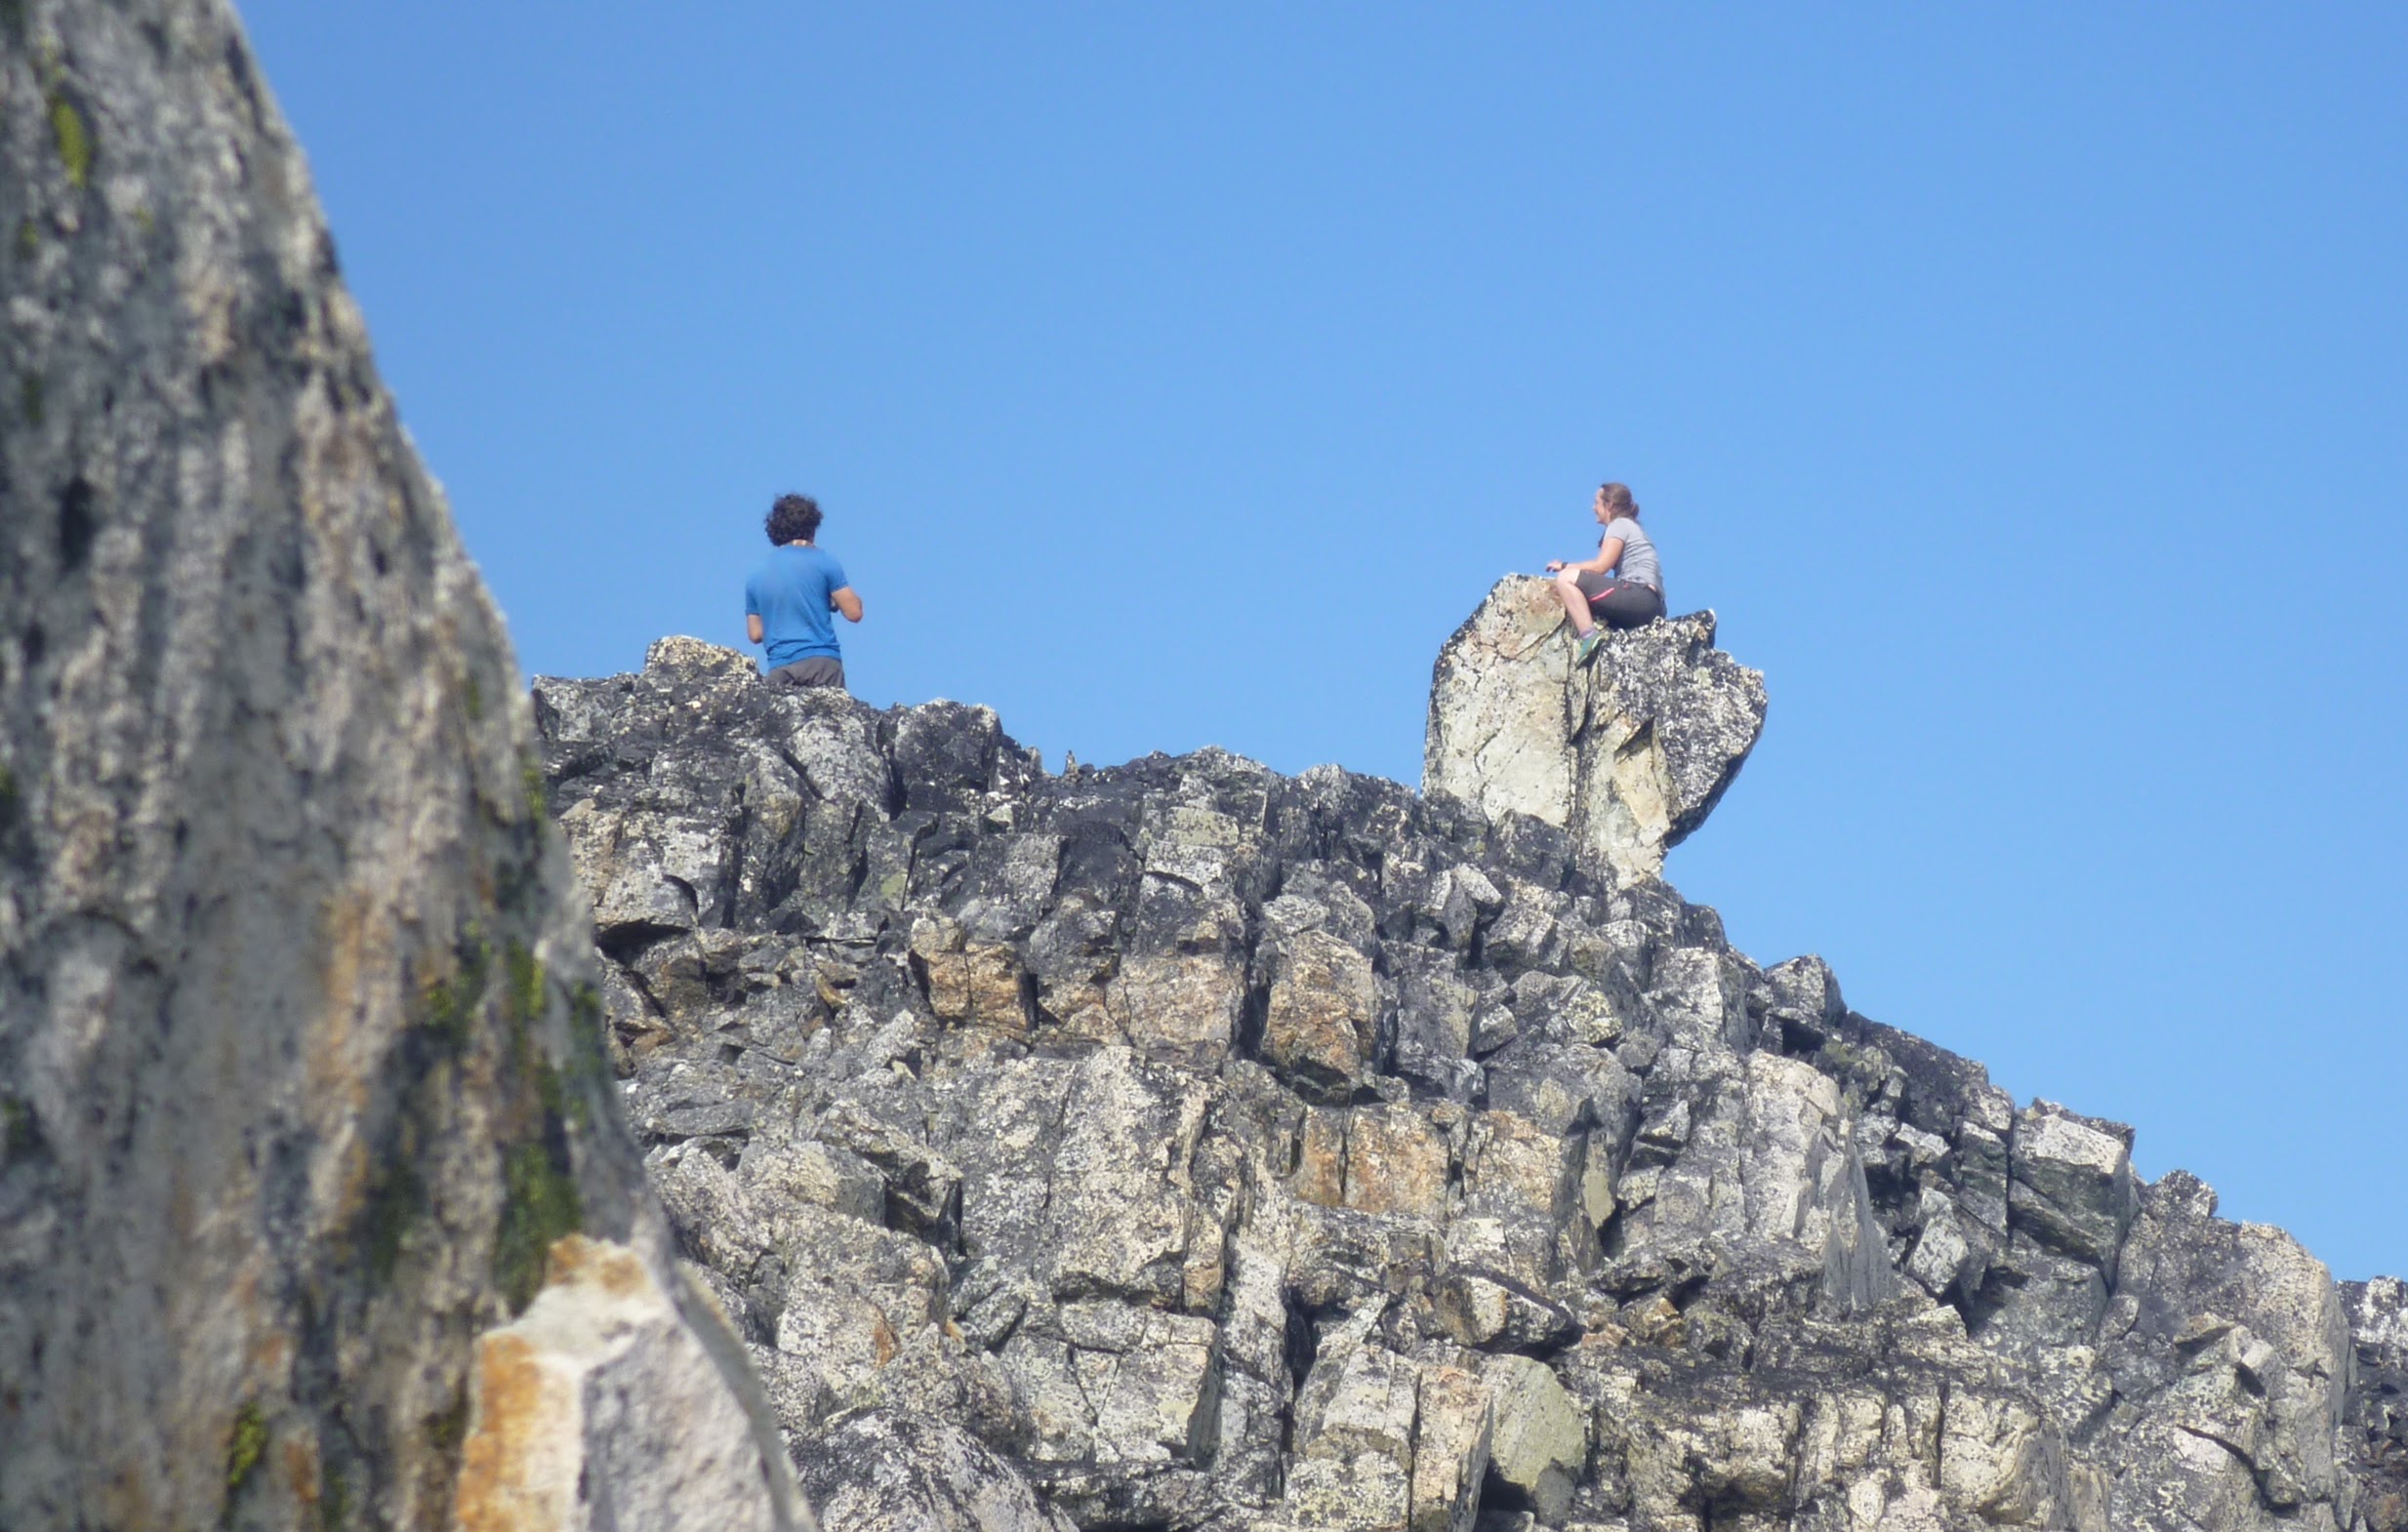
(1555, 566)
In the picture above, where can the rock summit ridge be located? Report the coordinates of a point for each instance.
(1181, 1145)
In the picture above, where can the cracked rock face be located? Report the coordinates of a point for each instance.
(315, 1208)
(1171, 1145)
(1181, 1145)
(1630, 753)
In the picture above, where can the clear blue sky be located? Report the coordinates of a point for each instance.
(2026, 385)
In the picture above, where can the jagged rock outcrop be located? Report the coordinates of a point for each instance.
(1171, 1145)
(1630, 753)
(1181, 1145)
(315, 1207)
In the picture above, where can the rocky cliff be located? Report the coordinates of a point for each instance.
(1182, 1145)
(316, 1210)
(1172, 1146)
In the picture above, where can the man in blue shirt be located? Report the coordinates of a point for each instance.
(788, 600)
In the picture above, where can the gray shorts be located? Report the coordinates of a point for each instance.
(812, 670)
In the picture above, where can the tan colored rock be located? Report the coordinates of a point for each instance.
(1179, 1005)
(1451, 1449)
(1321, 1156)
(1523, 1214)
(1514, 1165)
(1322, 1010)
(1999, 1460)
(976, 981)
(1395, 1163)
(604, 1387)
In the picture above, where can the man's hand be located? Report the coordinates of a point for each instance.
(752, 627)
(847, 601)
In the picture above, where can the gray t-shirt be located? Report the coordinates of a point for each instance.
(1638, 553)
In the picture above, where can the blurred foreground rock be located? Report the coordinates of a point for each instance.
(1181, 1145)
(315, 1207)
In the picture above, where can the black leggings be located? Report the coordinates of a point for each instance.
(1622, 603)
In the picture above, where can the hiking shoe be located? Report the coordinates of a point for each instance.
(1586, 649)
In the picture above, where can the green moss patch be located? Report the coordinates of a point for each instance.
(396, 1198)
(538, 1205)
(448, 1005)
(447, 1430)
(246, 1447)
(523, 989)
(73, 138)
(334, 1500)
(588, 1055)
(535, 789)
(18, 1135)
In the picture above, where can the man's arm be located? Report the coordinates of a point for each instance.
(847, 600)
(752, 627)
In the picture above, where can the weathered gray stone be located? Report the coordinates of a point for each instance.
(2071, 1183)
(1260, 1154)
(1355, 1418)
(1630, 754)
(1540, 1442)
(887, 1472)
(318, 1208)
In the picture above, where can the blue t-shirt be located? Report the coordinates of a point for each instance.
(790, 595)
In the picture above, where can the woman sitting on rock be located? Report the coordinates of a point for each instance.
(1622, 586)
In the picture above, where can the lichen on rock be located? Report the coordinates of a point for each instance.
(1181, 1145)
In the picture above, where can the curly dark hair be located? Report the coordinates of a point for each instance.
(795, 518)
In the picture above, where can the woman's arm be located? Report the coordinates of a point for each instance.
(1609, 555)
